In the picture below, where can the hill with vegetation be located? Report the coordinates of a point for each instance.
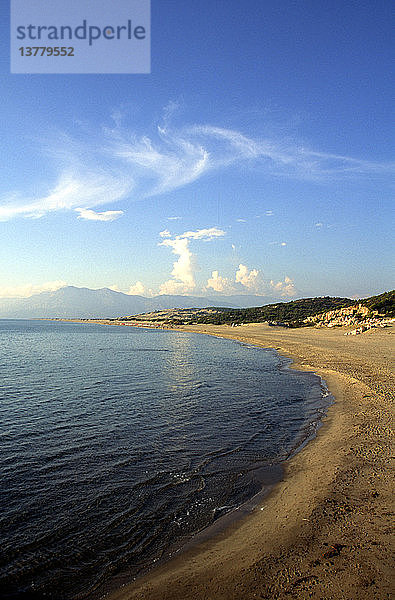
(291, 314)
(384, 304)
(297, 313)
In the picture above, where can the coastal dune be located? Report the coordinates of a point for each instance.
(324, 532)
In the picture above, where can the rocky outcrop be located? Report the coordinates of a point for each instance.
(359, 317)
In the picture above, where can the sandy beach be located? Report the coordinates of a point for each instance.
(325, 531)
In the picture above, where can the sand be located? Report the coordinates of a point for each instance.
(325, 531)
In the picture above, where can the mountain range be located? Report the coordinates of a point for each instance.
(74, 302)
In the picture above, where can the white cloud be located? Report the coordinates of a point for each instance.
(71, 191)
(111, 164)
(241, 220)
(173, 287)
(251, 281)
(174, 218)
(204, 234)
(183, 269)
(220, 284)
(277, 243)
(285, 288)
(183, 273)
(248, 279)
(138, 289)
(91, 215)
(172, 161)
(269, 213)
(319, 225)
(27, 290)
(280, 157)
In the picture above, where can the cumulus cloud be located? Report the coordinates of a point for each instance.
(220, 284)
(137, 289)
(251, 281)
(285, 288)
(27, 290)
(91, 215)
(184, 268)
(114, 164)
(248, 279)
(172, 287)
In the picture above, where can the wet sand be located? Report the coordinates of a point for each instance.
(325, 531)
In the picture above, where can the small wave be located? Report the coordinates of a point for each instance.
(220, 510)
(112, 458)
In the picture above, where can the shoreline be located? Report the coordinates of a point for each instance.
(324, 531)
(272, 476)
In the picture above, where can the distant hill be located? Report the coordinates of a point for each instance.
(73, 302)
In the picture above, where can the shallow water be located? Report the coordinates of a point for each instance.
(118, 442)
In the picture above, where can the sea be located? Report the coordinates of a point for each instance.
(119, 444)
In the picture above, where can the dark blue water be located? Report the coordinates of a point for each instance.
(117, 443)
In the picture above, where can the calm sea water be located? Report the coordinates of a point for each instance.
(117, 443)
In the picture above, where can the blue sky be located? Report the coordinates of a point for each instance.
(257, 157)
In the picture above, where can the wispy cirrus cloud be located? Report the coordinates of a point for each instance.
(283, 157)
(70, 192)
(116, 164)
